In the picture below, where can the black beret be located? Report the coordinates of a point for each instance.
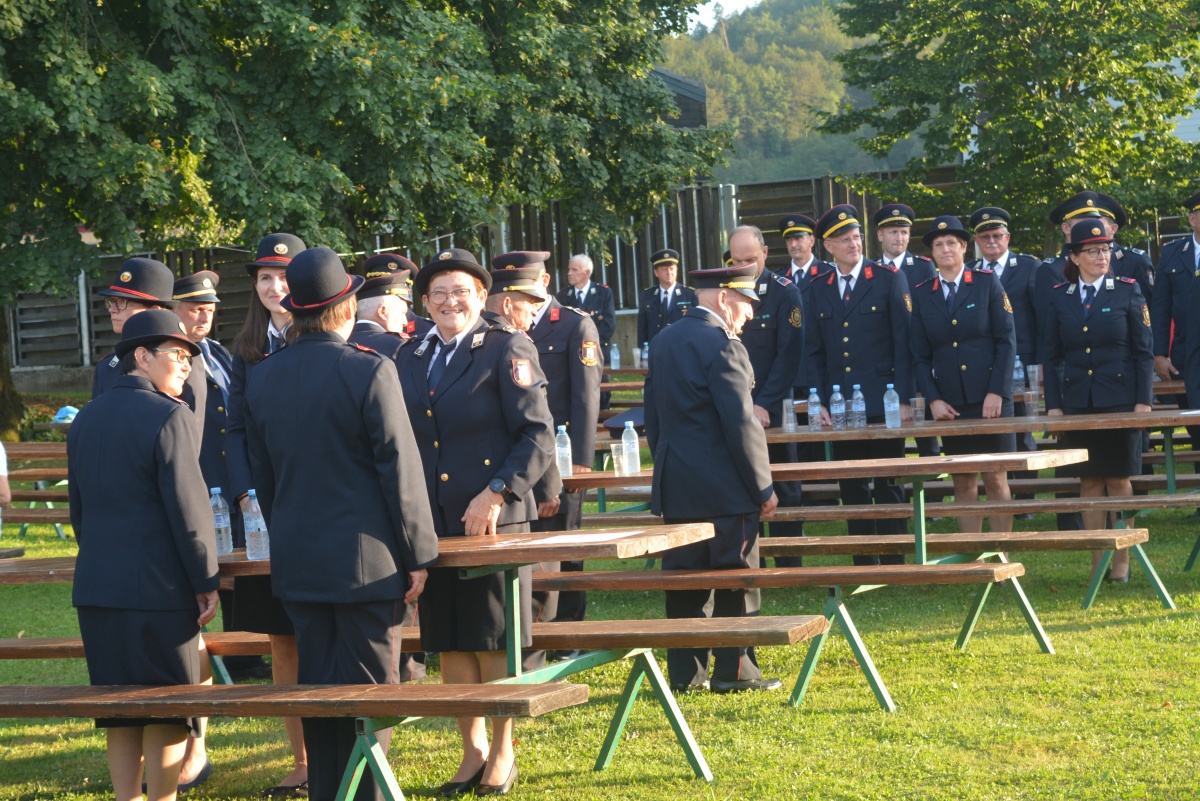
(152, 327)
(317, 279)
(145, 280)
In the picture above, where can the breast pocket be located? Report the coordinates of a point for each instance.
(872, 316)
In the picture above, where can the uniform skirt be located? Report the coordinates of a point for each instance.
(256, 609)
(138, 646)
(980, 443)
(1112, 453)
(468, 614)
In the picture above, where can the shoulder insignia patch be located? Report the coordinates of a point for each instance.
(1070, 289)
(908, 302)
(869, 274)
(1125, 280)
(114, 361)
(1146, 315)
(1007, 303)
(909, 261)
(424, 347)
(554, 315)
(522, 372)
(795, 318)
(410, 327)
(477, 340)
(590, 353)
(967, 277)
(1138, 251)
(831, 275)
(1120, 254)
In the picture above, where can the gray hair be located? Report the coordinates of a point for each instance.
(585, 261)
(753, 229)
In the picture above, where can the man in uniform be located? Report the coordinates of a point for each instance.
(595, 300)
(1127, 262)
(351, 528)
(383, 304)
(710, 464)
(858, 334)
(661, 305)
(797, 231)
(774, 341)
(1182, 256)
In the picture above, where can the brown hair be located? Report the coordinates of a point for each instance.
(252, 338)
(328, 319)
(1071, 267)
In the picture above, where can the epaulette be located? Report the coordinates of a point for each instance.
(919, 258)
(578, 311)
(1050, 260)
(500, 325)
(1125, 280)
(604, 285)
(889, 266)
(923, 283)
(365, 349)
(114, 361)
(782, 280)
(1139, 251)
(983, 270)
(1060, 286)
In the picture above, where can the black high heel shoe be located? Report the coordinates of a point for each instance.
(451, 789)
(502, 789)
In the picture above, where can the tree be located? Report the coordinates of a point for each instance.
(1037, 99)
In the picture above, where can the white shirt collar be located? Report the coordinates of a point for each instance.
(956, 280)
(803, 268)
(436, 335)
(854, 273)
(275, 332)
(898, 261)
(715, 316)
(669, 290)
(539, 314)
(584, 289)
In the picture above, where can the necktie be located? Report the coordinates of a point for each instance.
(993, 266)
(951, 288)
(579, 294)
(846, 289)
(272, 343)
(214, 369)
(666, 303)
(439, 365)
(1089, 294)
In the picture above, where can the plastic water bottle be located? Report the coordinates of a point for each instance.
(614, 357)
(858, 408)
(562, 452)
(891, 407)
(221, 522)
(1018, 389)
(814, 410)
(633, 451)
(837, 408)
(258, 544)
(645, 354)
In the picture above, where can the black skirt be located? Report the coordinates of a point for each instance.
(137, 646)
(1112, 453)
(256, 609)
(980, 443)
(468, 614)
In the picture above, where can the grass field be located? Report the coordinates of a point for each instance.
(1112, 716)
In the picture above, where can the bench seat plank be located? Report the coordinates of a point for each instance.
(1101, 540)
(258, 700)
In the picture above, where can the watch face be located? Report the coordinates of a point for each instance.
(497, 485)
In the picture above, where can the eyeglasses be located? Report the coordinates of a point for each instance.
(441, 296)
(177, 355)
(1096, 253)
(990, 237)
(116, 304)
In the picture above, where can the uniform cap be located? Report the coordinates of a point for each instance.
(1079, 205)
(198, 287)
(664, 256)
(1087, 232)
(451, 259)
(987, 218)
(276, 250)
(1109, 207)
(894, 214)
(145, 280)
(837, 221)
(739, 279)
(317, 279)
(527, 280)
(797, 225)
(1192, 203)
(520, 258)
(388, 274)
(946, 224)
(151, 328)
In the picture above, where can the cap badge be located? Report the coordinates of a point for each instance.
(1091, 203)
(126, 277)
(987, 216)
(207, 283)
(281, 249)
(842, 216)
(1095, 232)
(895, 212)
(444, 255)
(941, 225)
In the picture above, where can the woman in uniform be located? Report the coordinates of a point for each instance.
(146, 576)
(255, 608)
(1099, 353)
(963, 344)
(476, 397)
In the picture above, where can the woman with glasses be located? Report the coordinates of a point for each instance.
(477, 401)
(255, 608)
(146, 575)
(1099, 359)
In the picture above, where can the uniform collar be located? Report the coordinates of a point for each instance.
(716, 318)
(854, 273)
(956, 280)
(804, 268)
(540, 313)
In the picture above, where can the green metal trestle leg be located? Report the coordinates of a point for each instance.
(835, 610)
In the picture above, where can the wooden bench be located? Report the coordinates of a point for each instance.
(377, 706)
(834, 578)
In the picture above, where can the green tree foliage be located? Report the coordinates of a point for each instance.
(1036, 99)
(770, 72)
(182, 123)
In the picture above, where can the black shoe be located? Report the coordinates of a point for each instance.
(680, 689)
(499, 789)
(451, 789)
(559, 656)
(286, 791)
(737, 686)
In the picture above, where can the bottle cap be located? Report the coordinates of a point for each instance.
(215, 490)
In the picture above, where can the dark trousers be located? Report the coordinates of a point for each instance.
(343, 644)
(790, 495)
(572, 605)
(605, 397)
(857, 491)
(546, 604)
(1025, 444)
(734, 546)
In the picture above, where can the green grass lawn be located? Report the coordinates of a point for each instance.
(1112, 716)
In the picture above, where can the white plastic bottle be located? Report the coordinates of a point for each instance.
(562, 452)
(633, 450)
(1018, 390)
(837, 408)
(814, 410)
(858, 408)
(258, 544)
(891, 407)
(614, 357)
(221, 521)
(645, 354)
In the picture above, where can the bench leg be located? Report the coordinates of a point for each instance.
(973, 615)
(1191, 562)
(1093, 589)
(836, 610)
(512, 613)
(368, 752)
(810, 665)
(644, 667)
(1031, 617)
(220, 674)
(1151, 574)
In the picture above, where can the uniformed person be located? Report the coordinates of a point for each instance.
(1127, 262)
(476, 397)
(859, 334)
(383, 304)
(1050, 272)
(1177, 264)
(774, 341)
(666, 302)
(144, 284)
(595, 300)
(963, 344)
(351, 529)
(146, 576)
(1181, 255)
(1099, 348)
(710, 464)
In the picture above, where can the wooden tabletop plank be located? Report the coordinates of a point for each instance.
(257, 700)
(36, 450)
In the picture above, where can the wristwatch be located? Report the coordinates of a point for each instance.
(498, 486)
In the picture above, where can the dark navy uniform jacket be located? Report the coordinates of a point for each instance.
(1105, 359)
(417, 327)
(568, 349)
(774, 340)
(195, 391)
(212, 448)
(138, 502)
(374, 336)
(1168, 306)
(815, 268)
(599, 304)
(1134, 263)
(237, 455)
(710, 454)
(487, 418)
(1047, 275)
(650, 317)
(1018, 283)
(863, 342)
(965, 351)
(916, 269)
(337, 472)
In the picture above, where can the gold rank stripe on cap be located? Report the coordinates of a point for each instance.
(187, 295)
(1090, 207)
(796, 229)
(996, 223)
(739, 285)
(666, 260)
(523, 288)
(841, 224)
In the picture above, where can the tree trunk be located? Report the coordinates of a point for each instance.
(12, 411)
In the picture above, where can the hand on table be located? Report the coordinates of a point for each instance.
(1054, 413)
(761, 415)
(906, 414)
(482, 514)
(207, 601)
(1163, 368)
(992, 404)
(416, 585)
(942, 410)
(1141, 408)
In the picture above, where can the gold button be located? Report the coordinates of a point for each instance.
(435, 443)
(445, 477)
(220, 408)
(954, 322)
(872, 308)
(964, 367)
(551, 347)
(846, 355)
(1087, 350)
(955, 344)
(847, 369)
(429, 412)
(487, 462)
(1085, 329)
(845, 339)
(1089, 372)
(222, 453)
(845, 325)
(222, 431)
